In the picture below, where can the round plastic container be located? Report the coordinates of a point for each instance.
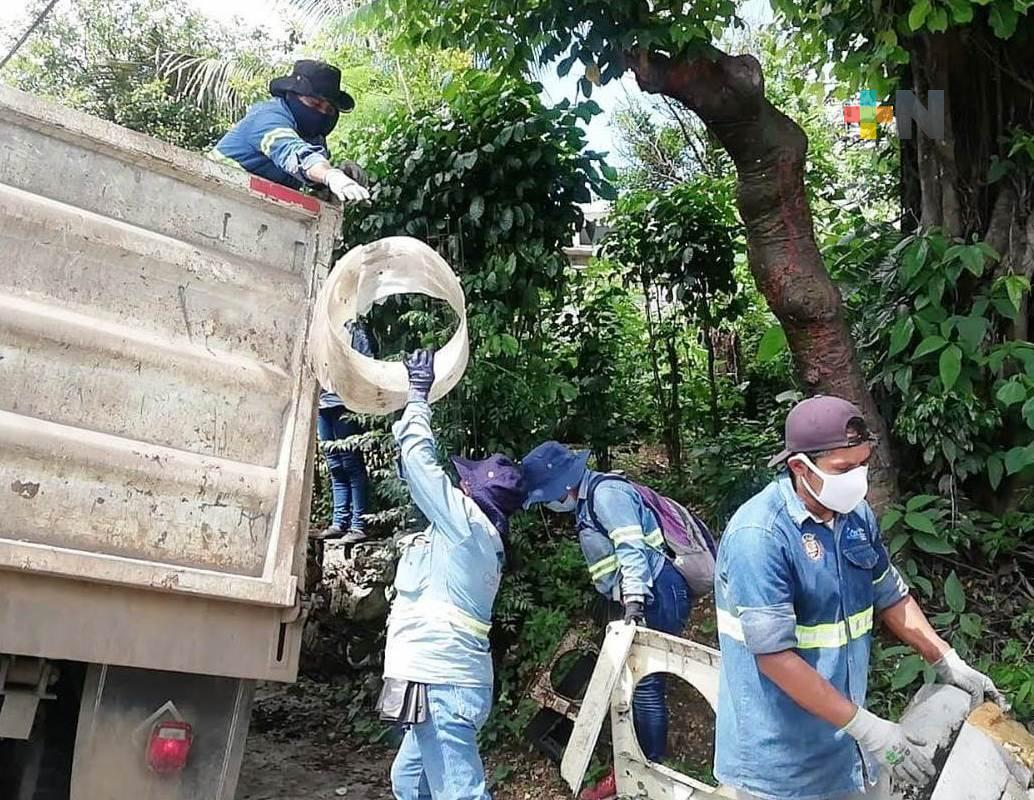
(366, 275)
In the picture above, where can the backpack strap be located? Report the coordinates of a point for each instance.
(590, 494)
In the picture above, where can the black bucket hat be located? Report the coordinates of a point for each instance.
(314, 79)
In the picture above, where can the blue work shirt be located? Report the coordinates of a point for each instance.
(626, 551)
(363, 344)
(447, 577)
(786, 581)
(267, 143)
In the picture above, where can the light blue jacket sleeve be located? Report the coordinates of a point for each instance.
(889, 588)
(273, 132)
(620, 515)
(432, 491)
(758, 588)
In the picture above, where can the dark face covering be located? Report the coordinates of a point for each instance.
(312, 123)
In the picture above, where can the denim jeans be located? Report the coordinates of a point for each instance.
(439, 758)
(667, 611)
(347, 469)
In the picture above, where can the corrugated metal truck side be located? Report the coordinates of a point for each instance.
(155, 451)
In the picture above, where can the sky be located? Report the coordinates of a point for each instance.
(756, 13)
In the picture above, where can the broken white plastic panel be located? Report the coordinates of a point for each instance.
(370, 274)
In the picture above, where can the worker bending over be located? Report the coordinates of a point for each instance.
(623, 546)
(285, 139)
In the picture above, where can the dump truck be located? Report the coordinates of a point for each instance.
(156, 432)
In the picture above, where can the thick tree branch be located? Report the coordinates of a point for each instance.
(769, 151)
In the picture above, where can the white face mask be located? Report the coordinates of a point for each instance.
(563, 506)
(841, 493)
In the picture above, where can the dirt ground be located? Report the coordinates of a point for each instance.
(298, 749)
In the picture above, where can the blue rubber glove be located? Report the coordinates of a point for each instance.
(420, 366)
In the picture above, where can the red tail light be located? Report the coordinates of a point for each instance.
(169, 746)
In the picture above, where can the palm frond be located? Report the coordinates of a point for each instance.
(214, 83)
(350, 14)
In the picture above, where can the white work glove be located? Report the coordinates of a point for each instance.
(346, 189)
(896, 750)
(953, 670)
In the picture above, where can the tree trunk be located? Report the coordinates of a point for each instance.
(712, 380)
(769, 151)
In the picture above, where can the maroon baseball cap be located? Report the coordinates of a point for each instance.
(820, 423)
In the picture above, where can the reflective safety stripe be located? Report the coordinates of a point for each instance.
(832, 634)
(603, 567)
(655, 539)
(729, 625)
(457, 616)
(835, 634)
(266, 145)
(886, 572)
(860, 624)
(631, 533)
(222, 158)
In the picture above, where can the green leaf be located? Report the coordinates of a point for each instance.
(921, 501)
(772, 344)
(931, 544)
(954, 594)
(923, 583)
(899, 541)
(1004, 19)
(950, 366)
(971, 624)
(890, 518)
(937, 21)
(901, 335)
(931, 344)
(903, 379)
(914, 259)
(917, 16)
(1011, 393)
(972, 331)
(973, 259)
(995, 471)
(920, 522)
(1016, 286)
(910, 668)
(1028, 413)
(1018, 459)
(961, 11)
(477, 208)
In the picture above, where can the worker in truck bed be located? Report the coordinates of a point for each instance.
(285, 139)
(623, 545)
(802, 575)
(437, 664)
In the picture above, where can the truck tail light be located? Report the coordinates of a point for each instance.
(169, 746)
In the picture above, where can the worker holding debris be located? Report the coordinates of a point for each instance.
(285, 139)
(801, 577)
(624, 548)
(437, 665)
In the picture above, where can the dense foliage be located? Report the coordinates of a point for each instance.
(663, 356)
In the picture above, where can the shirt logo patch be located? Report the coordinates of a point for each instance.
(856, 534)
(812, 546)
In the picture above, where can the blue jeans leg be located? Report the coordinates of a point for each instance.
(354, 467)
(408, 781)
(668, 611)
(448, 741)
(348, 479)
